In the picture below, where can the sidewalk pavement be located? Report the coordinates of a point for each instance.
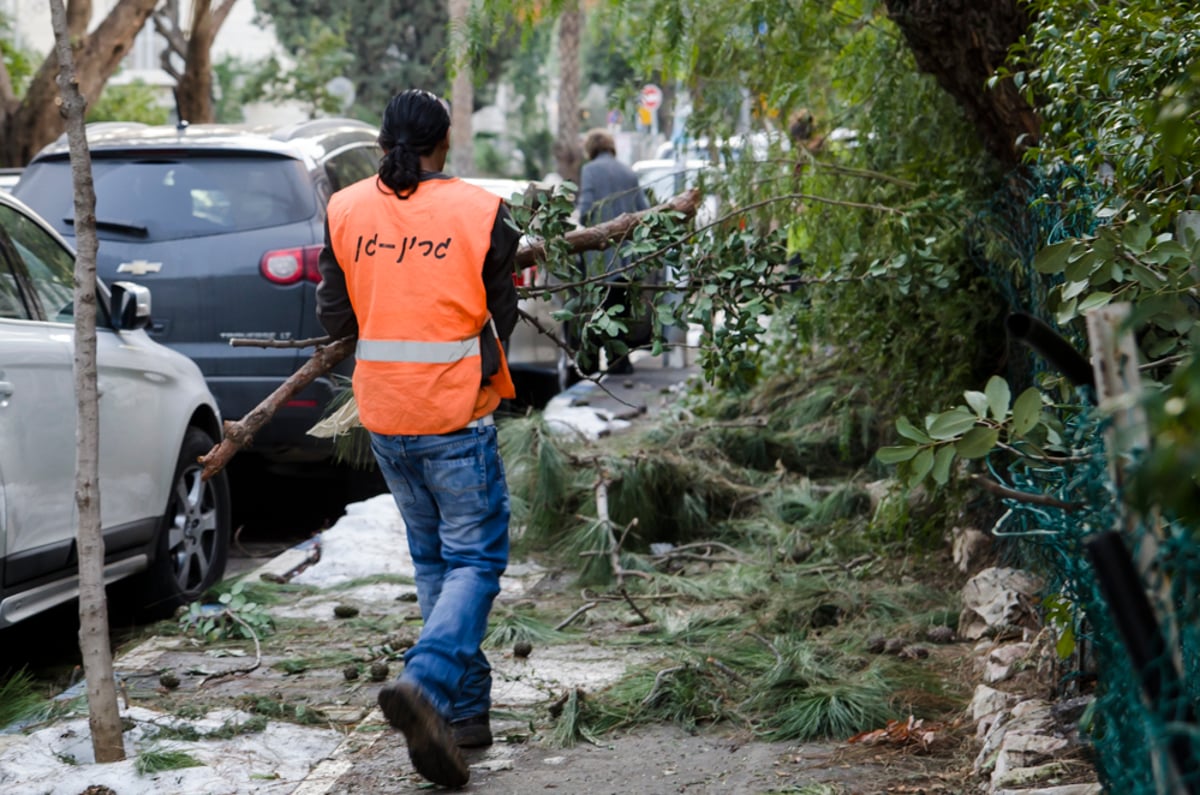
(597, 408)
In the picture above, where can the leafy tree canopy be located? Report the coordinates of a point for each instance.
(392, 45)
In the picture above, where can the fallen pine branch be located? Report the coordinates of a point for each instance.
(239, 433)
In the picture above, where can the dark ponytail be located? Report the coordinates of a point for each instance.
(414, 123)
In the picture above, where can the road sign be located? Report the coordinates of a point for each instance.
(651, 97)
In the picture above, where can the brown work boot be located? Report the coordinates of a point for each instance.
(472, 732)
(431, 745)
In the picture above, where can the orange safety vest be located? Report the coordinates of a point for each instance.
(414, 274)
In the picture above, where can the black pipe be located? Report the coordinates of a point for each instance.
(1138, 627)
(1053, 348)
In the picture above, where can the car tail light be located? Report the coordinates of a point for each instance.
(526, 277)
(290, 265)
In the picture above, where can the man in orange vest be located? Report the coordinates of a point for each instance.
(419, 265)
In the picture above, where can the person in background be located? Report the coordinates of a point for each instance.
(608, 188)
(418, 265)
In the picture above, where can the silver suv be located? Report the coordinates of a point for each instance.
(224, 224)
(166, 531)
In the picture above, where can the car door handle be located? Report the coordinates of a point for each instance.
(6, 390)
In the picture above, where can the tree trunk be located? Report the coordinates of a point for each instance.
(462, 94)
(103, 715)
(240, 433)
(567, 153)
(34, 121)
(962, 43)
(195, 86)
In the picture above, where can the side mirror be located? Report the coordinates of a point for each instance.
(129, 306)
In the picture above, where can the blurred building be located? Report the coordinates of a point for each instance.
(239, 37)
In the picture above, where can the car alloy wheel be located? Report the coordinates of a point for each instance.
(193, 544)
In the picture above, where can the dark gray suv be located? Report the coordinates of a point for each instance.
(224, 225)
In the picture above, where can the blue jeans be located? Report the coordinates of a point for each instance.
(453, 495)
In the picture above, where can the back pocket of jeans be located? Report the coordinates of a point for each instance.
(459, 484)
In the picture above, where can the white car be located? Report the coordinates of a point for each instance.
(166, 531)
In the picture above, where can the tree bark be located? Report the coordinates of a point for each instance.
(462, 93)
(962, 43)
(568, 155)
(195, 86)
(28, 124)
(104, 718)
(241, 432)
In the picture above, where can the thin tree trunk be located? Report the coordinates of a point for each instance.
(567, 153)
(240, 433)
(103, 715)
(195, 85)
(462, 94)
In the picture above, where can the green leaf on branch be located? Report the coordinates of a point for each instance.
(1026, 412)
(978, 402)
(941, 464)
(910, 431)
(950, 424)
(894, 455)
(999, 397)
(921, 464)
(1095, 301)
(1052, 259)
(977, 442)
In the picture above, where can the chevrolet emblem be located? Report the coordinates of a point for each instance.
(139, 267)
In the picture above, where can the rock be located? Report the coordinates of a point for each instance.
(940, 635)
(969, 546)
(350, 672)
(169, 680)
(378, 671)
(989, 701)
(522, 649)
(1062, 789)
(345, 611)
(876, 644)
(1003, 660)
(1025, 750)
(999, 597)
(1048, 773)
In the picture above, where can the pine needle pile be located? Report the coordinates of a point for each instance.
(738, 549)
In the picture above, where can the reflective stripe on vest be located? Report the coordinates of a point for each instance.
(415, 351)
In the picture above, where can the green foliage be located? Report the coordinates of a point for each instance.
(237, 617)
(135, 101)
(1168, 475)
(19, 699)
(509, 626)
(1118, 85)
(971, 431)
(18, 61)
(157, 760)
(385, 46)
(321, 54)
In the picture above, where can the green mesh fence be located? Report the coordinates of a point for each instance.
(1144, 744)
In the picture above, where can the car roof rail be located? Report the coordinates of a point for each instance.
(315, 127)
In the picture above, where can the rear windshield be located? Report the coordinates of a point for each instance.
(157, 197)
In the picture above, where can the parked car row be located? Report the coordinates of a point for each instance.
(223, 225)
